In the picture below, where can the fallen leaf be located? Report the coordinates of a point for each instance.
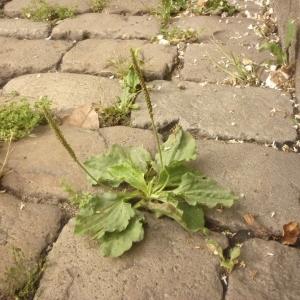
(249, 219)
(291, 233)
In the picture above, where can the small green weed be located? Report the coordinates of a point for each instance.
(169, 8)
(40, 10)
(176, 35)
(216, 7)
(164, 185)
(227, 263)
(18, 119)
(23, 277)
(119, 114)
(77, 199)
(241, 71)
(281, 52)
(121, 65)
(98, 5)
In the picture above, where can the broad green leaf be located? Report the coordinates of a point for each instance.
(192, 217)
(107, 212)
(291, 31)
(170, 177)
(114, 244)
(100, 166)
(179, 147)
(126, 172)
(197, 189)
(275, 49)
(140, 157)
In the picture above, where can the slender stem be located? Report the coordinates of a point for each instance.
(148, 102)
(6, 155)
(64, 142)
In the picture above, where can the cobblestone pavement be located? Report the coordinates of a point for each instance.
(248, 139)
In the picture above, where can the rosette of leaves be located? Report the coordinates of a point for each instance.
(166, 188)
(164, 185)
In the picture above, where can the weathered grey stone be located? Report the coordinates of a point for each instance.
(271, 272)
(24, 29)
(66, 91)
(267, 178)
(203, 62)
(131, 7)
(248, 113)
(159, 60)
(28, 227)
(40, 164)
(234, 30)
(19, 57)
(169, 263)
(106, 26)
(15, 8)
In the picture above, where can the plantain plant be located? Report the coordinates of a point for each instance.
(164, 185)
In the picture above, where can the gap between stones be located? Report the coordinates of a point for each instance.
(165, 131)
(58, 64)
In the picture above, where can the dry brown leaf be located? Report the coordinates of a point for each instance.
(83, 116)
(291, 233)
(249, 219)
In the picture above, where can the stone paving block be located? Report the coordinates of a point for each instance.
(24, 29)
(263, 115)
(131, 7)
(18, 57)
(66, 91)
(268, 179)
(40, 164)
(271, 272)
(106, 26)
(233, 30)
(168, 264)
(159, 60)
(28, 227)
(201, 61)
(15, 8)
